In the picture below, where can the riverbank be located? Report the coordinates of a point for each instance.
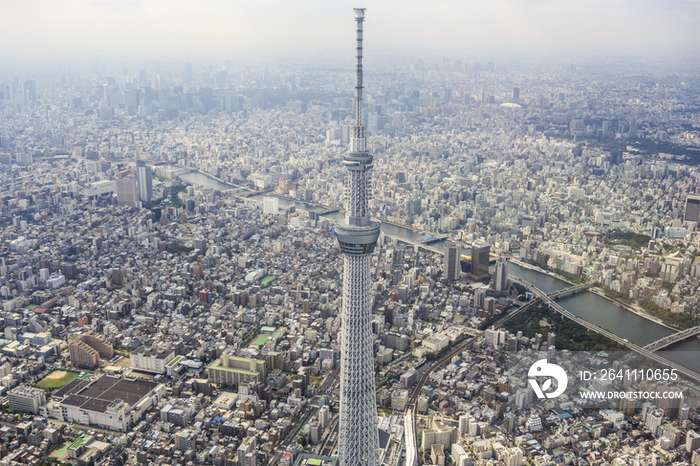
(415, 230)
(632, 308)
(534, 268)
(192, 170)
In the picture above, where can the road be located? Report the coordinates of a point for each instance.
(325, 388)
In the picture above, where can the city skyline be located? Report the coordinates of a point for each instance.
(76, 30)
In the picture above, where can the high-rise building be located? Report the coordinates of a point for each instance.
(479, 298)
(87, 349)
(30, 90)
(271, 205)
(481, 251)
(692, 208)
(500, 278)
(452, 268)
(145, 181)
(357, 234)
(26, 399)
(463, 424)
(653, 420)
(246, 452)
(509, 422)
(514, 457)
(615, 157)
(127, 194)
(692, 441)
(233, 370)
(414, 206)
(670, 406)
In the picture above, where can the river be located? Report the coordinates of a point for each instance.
(596, 310)
(608, 315)
(198, 178)
(299, 204)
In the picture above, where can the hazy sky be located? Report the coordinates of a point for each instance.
(178, 29)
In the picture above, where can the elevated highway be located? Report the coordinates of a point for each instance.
(669, 340)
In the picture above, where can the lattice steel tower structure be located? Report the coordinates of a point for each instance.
(357, 236)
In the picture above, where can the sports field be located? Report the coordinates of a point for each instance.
(57, 379)
(261, 340)
(124, 362)
(61, 452)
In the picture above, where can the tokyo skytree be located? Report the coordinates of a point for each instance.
(357, 236)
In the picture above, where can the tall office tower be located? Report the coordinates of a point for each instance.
(692, 208)
(414, 207)
(357, 236)
(30, 90)
(143, 78)
(480, 259)
(452, 267)
(615, 157)
(500, 279)
(127, 194)
(145, 179)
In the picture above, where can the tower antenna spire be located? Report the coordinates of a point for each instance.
(359, 19)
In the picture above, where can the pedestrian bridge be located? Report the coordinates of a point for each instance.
(669, 340)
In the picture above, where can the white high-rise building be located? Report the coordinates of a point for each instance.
(514, 457)
(692, 441)
(463, 424)
(145, 180)
(271, 205)
(654, 420)
(479, 297)
(500, 278)
(246, 452)
(358, 438)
